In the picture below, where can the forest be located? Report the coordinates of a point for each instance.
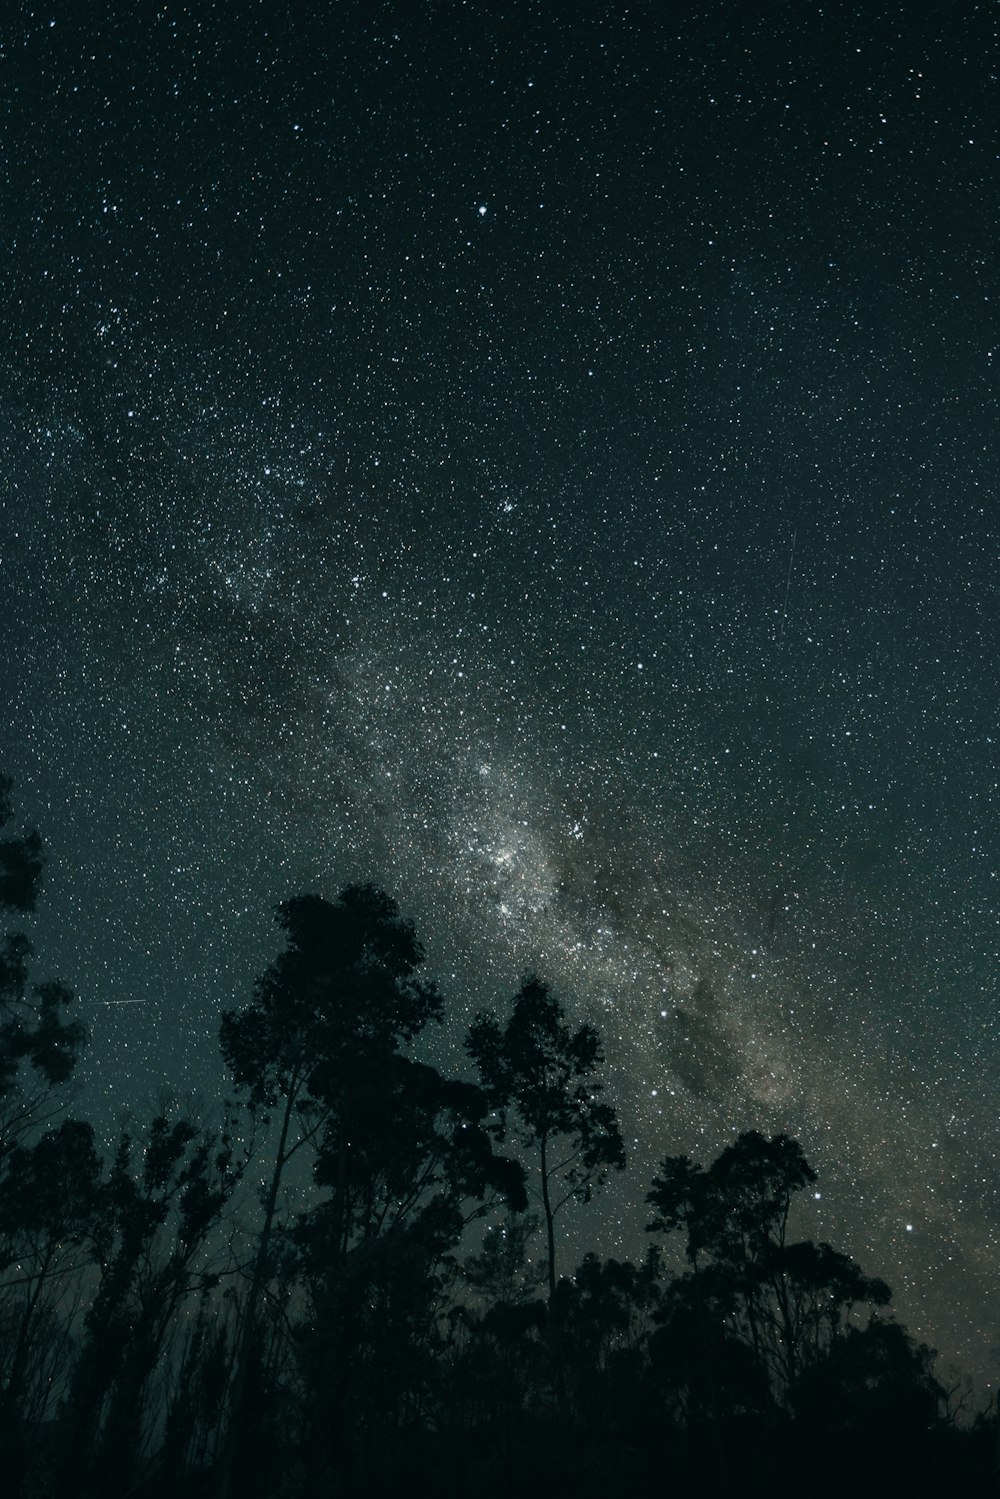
(352, 1281)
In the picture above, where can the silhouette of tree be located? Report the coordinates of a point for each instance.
(38, 1045)
(501, 1326)
(327, 1015)
(409, 1164)
(874, 1376)
(493, 1358)
(544, 1077)
(738, 1209)
(196, 1402)
(45, 1177)
(357, 1350)
(501, 1273)
(873, 1407)
(608, 1306)
(785, 1303)
(48, 1201)
(605, 1314)
(403, 1146)
(820, 1289)
(151, 1236)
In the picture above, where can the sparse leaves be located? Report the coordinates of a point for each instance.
(543, 1080)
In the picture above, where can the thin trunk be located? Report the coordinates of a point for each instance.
(341, 1199)
(256, 1286)
(12, 1419)
(12, 1391)
(553, 1332)
(549, 1226)
(788, 1332)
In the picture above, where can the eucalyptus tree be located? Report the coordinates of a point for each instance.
(543, 1079)
(329, 1016)
(754, 1307)
(377, 1257)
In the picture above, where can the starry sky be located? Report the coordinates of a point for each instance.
(538, 457)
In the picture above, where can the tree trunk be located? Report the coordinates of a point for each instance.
(256, 1286)
(13, 1391)
(549, 1226)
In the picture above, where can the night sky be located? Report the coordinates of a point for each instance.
(540, 458)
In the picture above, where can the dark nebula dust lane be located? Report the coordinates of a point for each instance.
(542, 462)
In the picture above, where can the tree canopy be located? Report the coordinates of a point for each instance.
(371, 1318)
(543, 1078)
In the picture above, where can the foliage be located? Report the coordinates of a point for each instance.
(400, 1155)
(754, 1312)
(39, 1045)
(543, 1079)
(152, 1346)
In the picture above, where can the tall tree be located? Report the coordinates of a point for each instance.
(408, 1165)
(544, 1080)
(329, 1013)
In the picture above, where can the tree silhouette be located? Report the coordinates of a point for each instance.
(195, 1402)
(375, 1254)
(358, 1347)
(544, 1076)
(151, 1234)
(46, 1174)
(605, 1317)
(38, 1045)
(495, 1354)
(327, 1014)
(48, 1206)
(784, 1303)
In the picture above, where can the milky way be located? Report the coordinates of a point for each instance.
(545, 466)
